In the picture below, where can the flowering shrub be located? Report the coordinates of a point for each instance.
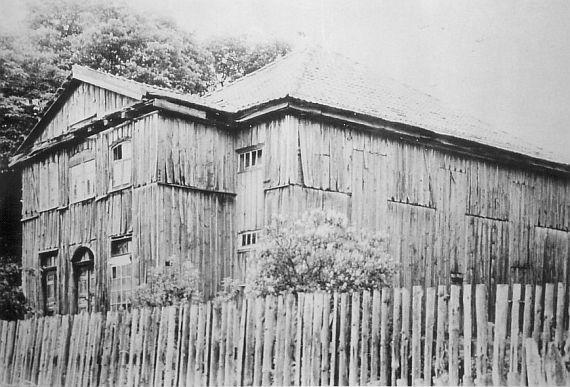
(320, 251)
(168, 287)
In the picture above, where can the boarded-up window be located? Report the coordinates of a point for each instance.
(48, 262)
(82, 181)
(121, 164)
(48, 184)
(120, 267)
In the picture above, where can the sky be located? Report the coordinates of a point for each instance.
(505, 62)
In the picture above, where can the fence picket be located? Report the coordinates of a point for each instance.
(313, 338)
(429, 328)
(268, 341)
(501, 315)
(481, 356)
(454, 329)
(513, 376)
(343, 341)
(417, 334)
(385, 308)
(560, 302)
(333, 376)
(364, 339)
(440, 334)
(375, 336)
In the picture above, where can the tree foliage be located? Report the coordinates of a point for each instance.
(234, 57)
(12, 300)
(111, 37)
(320, 251)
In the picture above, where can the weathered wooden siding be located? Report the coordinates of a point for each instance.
(449, 217)
(85, 101)
(65, 226)
(194, 154)
(176, 224)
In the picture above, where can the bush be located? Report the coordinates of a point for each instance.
(166, 287)
(12, 301)
(320, 251)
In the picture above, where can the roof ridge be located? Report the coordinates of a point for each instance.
(126, 79)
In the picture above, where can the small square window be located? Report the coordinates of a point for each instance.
(249, 159)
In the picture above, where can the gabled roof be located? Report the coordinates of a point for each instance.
(330, 79)
(116, 84)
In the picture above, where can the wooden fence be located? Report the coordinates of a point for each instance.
(391, 336)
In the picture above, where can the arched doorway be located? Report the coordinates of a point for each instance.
(84, 279)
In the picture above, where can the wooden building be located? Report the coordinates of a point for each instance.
(118, 177)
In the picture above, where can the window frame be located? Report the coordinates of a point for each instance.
(48, 274)
(119, 263)
(248, 240)
(123, 183)
(250, 158)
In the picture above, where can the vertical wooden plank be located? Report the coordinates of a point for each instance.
(268, 341)
(258, 353)
(192, 342)
(501, 315)
(240, 338)
(417, 333)
(335, 326)
(214, 351)
(429, 328)
(365, 339)
(229, 359)
(375, 336)
(200, 346)
(396, 332)
(325, 339)
(548, 316)
(481, 356)
(537, 313)
(223, 334)
(315, 355)
(440, 335)
(343, 340)
(560, 302)
(124, 342)
(454, 328)
(184, 347)
(534, 366)
(250, 342)
(514, 336)
(289, 340)
(526, 332)
(467, 336)
(405, 336)
(279, 341)
(353, 377)
(307, 339)
(384, 336)
(207, 343)
(169, 345)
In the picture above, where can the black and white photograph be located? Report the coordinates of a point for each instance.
(284, 193)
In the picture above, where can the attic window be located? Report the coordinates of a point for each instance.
(250, 159)
(121, 164)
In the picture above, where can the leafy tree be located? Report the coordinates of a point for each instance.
(12, 300)
(320, 251)
(235, 57)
